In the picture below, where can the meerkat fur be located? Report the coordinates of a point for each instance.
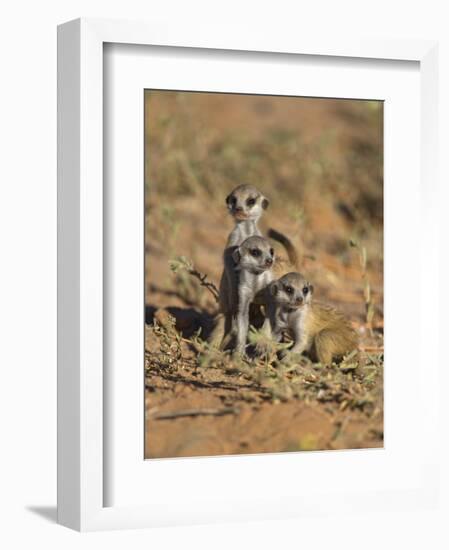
(253, 260)
(318, 329)
(246, 205)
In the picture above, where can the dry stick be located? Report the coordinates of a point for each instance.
(183, 263)
(203, 282)
(195, 412)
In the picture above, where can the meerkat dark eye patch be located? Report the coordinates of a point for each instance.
(271, 252)
(305, 290)
(265, 203)
(255, 252)
(288, 289)
(250, 202)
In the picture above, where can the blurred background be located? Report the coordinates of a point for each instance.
(318, 161)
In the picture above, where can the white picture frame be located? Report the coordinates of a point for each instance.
(82, 491)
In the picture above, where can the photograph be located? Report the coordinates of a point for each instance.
(264, 274)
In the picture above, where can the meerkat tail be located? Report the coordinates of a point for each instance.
(287, 244)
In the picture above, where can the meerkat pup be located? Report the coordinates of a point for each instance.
(253, 260)
(246, 205)
(318, 329)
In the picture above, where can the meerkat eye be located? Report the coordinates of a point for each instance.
(250, 202)
(271, 252)
(289, 290)
(305, 290)
(233, 201)
(255, 252)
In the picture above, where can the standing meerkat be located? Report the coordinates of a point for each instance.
(318, 329)
(246, 205)
(253, 261)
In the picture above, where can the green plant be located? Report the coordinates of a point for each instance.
(171, 224)
(367, 296)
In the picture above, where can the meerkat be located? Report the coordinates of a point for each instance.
(253, 261)
(318, 329)
(246, 205)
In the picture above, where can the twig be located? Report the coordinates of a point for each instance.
(195, 412)
(203, 282)
(183, 263)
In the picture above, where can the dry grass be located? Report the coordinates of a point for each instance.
(355, 382)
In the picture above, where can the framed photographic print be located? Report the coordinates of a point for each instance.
(235, 292)
(318, 167)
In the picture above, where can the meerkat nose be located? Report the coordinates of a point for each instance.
(299, 299)
(269, 261)
(238, 209)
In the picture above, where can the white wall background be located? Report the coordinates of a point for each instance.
(28, 268)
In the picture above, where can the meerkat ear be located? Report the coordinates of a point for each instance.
(265, 203)
(274, 288)
(236, 255)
